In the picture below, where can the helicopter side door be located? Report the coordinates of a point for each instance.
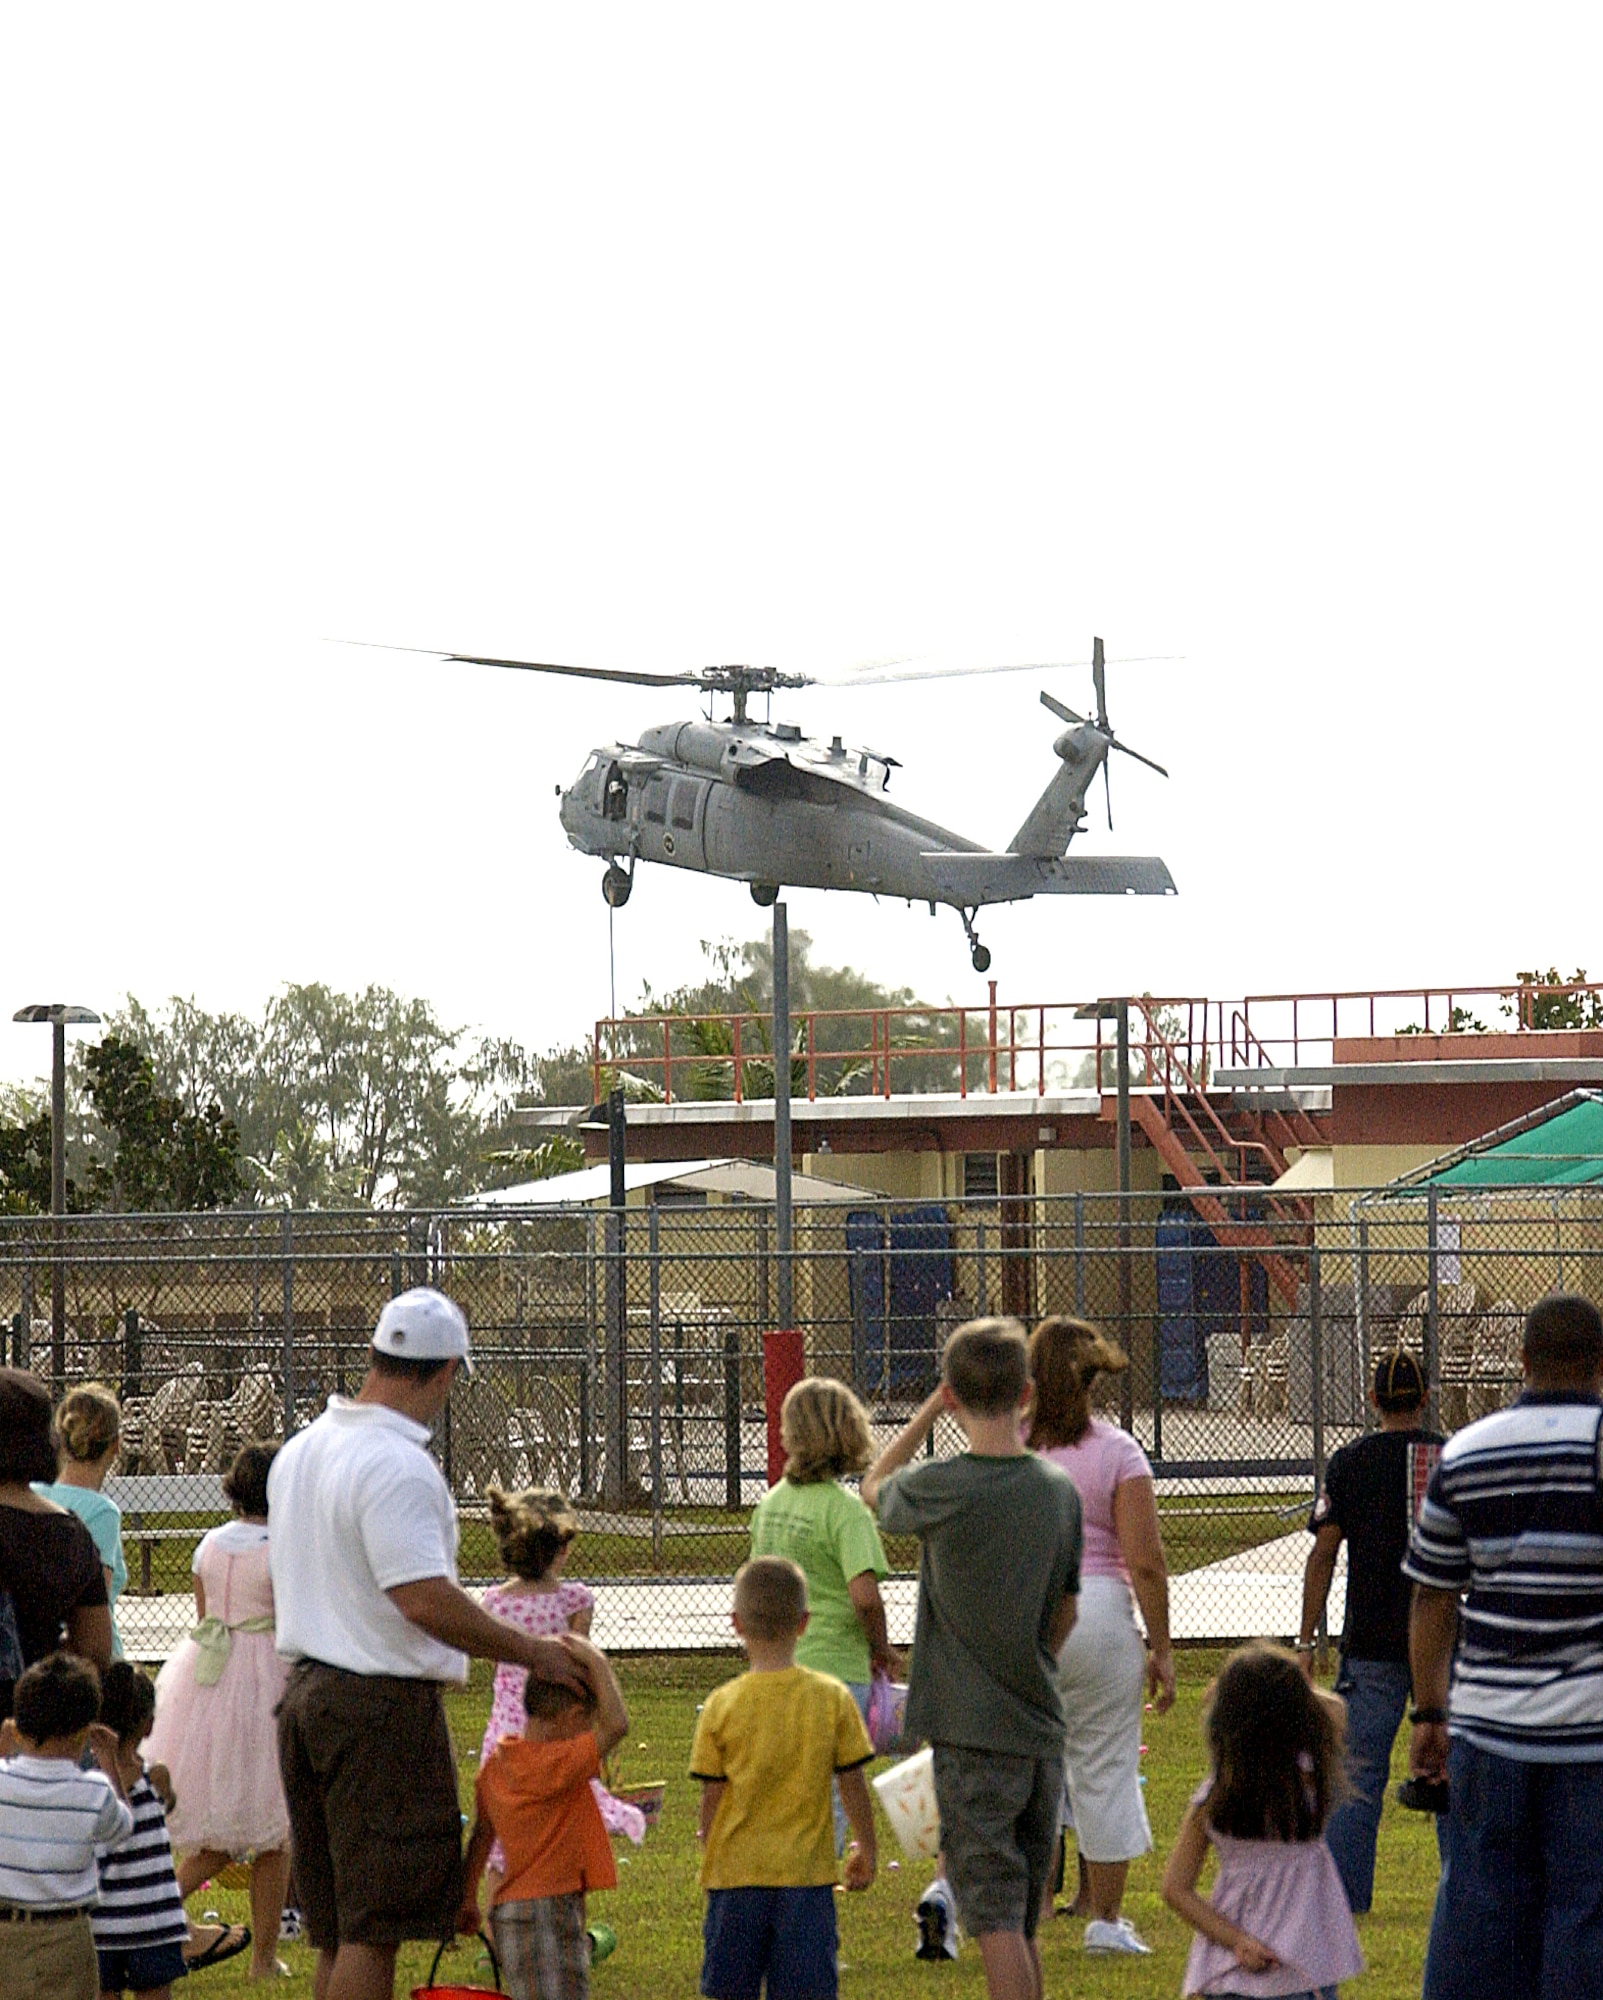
(683, 836)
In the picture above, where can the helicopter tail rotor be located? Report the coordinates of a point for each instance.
(1099, 678)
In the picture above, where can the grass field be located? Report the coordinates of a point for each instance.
(656, 1907)
(707, 1541)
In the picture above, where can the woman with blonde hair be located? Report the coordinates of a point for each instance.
(1104, 1669)
(812, 1518)
(89, 1434)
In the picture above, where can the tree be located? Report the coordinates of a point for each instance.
(859, 1018)
(344, 1099)
(25, 1155)
(1555, 1010)
(165, 1157)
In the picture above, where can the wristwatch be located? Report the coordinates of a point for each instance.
(1419, 1715)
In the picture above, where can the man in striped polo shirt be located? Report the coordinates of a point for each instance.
(1507, 1556)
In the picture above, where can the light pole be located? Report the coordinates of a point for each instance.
(61, 1016)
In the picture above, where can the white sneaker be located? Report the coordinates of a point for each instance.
(1119, 1935)
(937, 1923)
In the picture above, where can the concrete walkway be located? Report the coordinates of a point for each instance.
(1255, 1594)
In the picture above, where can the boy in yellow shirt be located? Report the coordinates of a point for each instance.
(767, 1746)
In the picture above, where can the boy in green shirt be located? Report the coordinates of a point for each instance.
(998, 1575)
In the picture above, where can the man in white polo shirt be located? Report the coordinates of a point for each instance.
(368, 1610)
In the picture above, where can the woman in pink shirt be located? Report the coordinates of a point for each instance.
(1105, 1668)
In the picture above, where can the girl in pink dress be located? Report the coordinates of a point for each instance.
(214, 1726)
(1278, 1923)
(534, 1531)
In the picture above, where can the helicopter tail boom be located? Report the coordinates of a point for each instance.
(973, 879)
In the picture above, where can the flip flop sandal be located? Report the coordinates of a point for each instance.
(230, 1941)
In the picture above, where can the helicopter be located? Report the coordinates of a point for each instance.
(761, 803)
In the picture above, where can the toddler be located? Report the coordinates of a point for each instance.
(140, 1928)
(535, 1806)
(767, 1746)
(53, 1815)
(534, 1531)
(1279, 1921)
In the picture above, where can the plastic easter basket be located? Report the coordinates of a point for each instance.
(433, 1991)
(646, 1797)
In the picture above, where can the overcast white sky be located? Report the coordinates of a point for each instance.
(649, 335)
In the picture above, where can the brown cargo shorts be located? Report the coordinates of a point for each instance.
(375, 1829)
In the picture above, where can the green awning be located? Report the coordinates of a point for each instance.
(1561, 1147)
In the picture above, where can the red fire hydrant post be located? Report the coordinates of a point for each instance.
(784, 1364)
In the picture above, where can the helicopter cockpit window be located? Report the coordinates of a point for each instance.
(615, 799)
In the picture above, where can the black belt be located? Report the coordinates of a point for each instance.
(25, 1913)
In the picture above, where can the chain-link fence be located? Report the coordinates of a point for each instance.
(621, 1359)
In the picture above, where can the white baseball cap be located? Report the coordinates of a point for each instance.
(423, 1325)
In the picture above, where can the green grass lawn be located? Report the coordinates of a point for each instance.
(656, 1908)
(707, 1541)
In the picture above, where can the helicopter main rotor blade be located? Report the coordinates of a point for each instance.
(1060, 708)
(1151, 763)
(629, 674)
(875, 678)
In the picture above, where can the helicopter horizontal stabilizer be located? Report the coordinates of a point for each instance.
(1006, 878)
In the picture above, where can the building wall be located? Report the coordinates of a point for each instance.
(1366, 1166)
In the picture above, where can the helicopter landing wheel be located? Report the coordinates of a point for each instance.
(615, 887)
(979, 957)
(765, 894)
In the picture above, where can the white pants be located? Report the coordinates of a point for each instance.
(1102, 1672)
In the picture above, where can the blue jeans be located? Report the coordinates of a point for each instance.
(1376, 1694)
(1519, 1913)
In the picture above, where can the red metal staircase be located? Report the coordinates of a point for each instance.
(1207, 1157)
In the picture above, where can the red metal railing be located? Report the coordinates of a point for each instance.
(1035, 1047)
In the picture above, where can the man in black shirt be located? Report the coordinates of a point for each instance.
(1372, 1492)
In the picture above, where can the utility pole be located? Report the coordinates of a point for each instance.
(782, 1231)
(1125, 1307)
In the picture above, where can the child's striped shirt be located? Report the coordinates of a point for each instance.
(52, 1816)
(139, 1900)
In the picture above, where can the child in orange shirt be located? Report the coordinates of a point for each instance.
(533, 1795)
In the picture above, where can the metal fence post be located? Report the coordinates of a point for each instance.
(1432, 1309)
(1157, 1374)
(1316, 1396)
(1316, 1365)
(133, 1355)
(18, 1338)
(287, 1243)
(1079, 1255)
(1361, 1322)
(23, 1357)
(982, 1284)
(584, 1421)
(654, 1386)
(732, 1417)
(614, 1476)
